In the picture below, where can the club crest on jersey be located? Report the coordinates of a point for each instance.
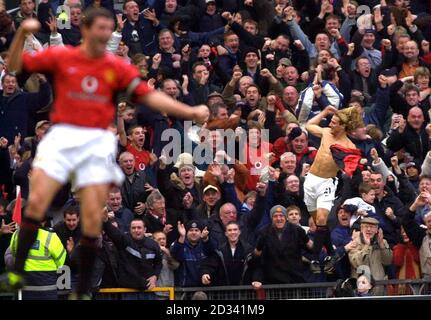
(89, 84)
(109, 76)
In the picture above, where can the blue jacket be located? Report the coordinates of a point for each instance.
(340, 236)
(147, 35)
(15, 111)
(209, 23)
(376, 114)
(198, 38)
(190, 258)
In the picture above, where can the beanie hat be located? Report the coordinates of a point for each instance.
(295, 133)
(278, 208)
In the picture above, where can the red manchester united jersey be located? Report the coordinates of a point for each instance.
(84, 87)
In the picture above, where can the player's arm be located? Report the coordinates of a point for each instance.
(17, 45)
(120, 125)
(313, 125)
(160, 102)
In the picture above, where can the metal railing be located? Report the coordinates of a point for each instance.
(114, 292)
(411, 289)
(321, 290)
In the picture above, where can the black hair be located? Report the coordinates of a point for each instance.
(91, 14)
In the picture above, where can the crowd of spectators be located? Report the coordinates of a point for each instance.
(264, 68)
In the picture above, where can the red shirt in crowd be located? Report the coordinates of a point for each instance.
(83, 86)
(142, 158)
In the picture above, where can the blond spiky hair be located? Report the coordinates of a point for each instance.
(351, 118)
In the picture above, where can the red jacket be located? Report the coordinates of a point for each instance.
(255, 162)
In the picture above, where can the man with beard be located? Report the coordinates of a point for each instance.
(411, 60)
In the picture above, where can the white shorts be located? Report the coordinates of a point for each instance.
(319, 192)
(86, 156)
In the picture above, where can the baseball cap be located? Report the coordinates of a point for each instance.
(210, 187)
(215, 94)
(389, 72)
(285, 62)
(41, 123)
(209, 1)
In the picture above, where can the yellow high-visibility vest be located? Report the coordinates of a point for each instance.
(46, 254)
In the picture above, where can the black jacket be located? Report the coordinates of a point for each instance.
(16, 110)
(174, 193)
(134, 192)
(391, 229)
(227, 270)
(138, 260)
(152, 224)
(415, 232)
(281, 259)
(65, 233)
(417, 144)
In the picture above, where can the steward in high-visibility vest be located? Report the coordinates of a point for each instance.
(45, 256)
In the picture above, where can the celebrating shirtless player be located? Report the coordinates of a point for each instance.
(321, 181)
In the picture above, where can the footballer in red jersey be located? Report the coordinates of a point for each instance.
(78, 147)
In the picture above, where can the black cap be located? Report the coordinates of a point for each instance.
(350, 208)
(295, 133)
(415, 165)
(389, 72)
(250, 49)
(193, 224)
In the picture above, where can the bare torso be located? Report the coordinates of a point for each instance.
(324, 165)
